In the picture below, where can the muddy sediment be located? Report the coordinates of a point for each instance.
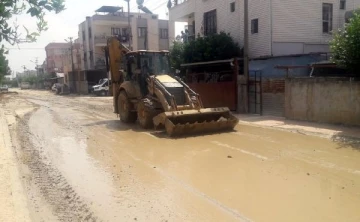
(80, 163)
(63, 200)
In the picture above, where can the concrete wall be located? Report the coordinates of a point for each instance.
(328, 100)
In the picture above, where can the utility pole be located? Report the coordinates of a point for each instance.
(70, 40)
(246, 54)
(129, 24)
(36, 65)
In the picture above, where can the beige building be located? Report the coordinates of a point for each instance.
(146, 32)
(56, 54)
(276, 27)
(68, 62)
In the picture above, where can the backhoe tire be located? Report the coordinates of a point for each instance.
(145, 116)
(125, 111)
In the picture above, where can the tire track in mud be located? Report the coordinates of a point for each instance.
(66, 204)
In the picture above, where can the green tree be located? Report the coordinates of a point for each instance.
(176, 55)
(4, 64)
(345, 45)
(209, 48)
(35, 8)
(202, 49)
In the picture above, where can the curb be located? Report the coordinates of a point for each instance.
(304, 132)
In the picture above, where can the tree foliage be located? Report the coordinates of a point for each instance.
(215, 47)
(4, 64)
(176, 55)
(345, 45)
(35, 8)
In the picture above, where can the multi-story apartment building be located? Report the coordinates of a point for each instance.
(146, 31)
(276, 27)
(56, 54)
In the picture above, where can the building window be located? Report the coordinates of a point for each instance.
(254, 26)
(125, 32)
(90, 34)
(343, 4)
(83, 35)
(115, 31)
(327, 14)
(164, 33)
(210, 23)
(142, 32)
(232, 7)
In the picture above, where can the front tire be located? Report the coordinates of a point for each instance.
(124, 107)
(145, 115)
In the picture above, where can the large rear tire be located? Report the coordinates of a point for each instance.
(145, 115)
(125, 109)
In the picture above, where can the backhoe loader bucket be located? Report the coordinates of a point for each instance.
(184, 122)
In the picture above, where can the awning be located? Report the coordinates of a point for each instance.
(209, 63)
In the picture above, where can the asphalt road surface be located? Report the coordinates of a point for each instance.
(78, 162)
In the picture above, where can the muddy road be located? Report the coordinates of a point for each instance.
(79, 163)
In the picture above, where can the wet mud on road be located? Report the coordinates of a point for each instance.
(82, 164)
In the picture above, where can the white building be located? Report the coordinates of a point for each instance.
(147, 32)
(276, 27)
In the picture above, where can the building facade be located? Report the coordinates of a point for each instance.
(276, 27)
(56, 54)
(146, 32)
(69, 62)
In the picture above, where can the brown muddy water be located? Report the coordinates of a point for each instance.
(82, 164)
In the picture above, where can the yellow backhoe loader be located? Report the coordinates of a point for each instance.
(143, 90)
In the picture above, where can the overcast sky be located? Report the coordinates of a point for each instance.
(65, 25)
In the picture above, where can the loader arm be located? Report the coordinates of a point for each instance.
(114, 55)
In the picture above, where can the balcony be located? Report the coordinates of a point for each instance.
(100, 62)
(181, 10)
(101, 40)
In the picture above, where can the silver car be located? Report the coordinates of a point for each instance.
(4, 88)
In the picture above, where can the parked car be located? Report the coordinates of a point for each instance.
(24, 85)
(4, 88)
(56, 88)
(101, 89)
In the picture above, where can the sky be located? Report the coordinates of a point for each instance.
(64, 25)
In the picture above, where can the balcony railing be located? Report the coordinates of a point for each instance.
(100, 63)
(111, 17)
(102, 39)
(175, 3)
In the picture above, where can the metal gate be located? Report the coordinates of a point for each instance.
(215, 93)
(255, 92)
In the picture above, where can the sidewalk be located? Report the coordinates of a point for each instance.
(13, 205)
(329, 131)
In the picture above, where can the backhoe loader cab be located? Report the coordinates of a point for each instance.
(144, 91)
